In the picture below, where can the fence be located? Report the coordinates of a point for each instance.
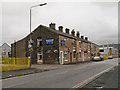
(8, 64)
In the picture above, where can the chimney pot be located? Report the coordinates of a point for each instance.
(82, 37)
(73, 32)
(78, 34)
(67, 30)
(86, 38)
(52, 26)
(60, 28)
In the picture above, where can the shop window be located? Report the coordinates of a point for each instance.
(74, 54)
(39, 42)
(39, 55)
(65, 55)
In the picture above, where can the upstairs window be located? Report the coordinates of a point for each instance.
(79, 44)
(39, 42)
(73, 43)
(65, 42)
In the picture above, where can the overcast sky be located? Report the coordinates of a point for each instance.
(97, 20)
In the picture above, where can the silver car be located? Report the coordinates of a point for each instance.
(97, 58)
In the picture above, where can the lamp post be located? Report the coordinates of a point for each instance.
(31, 41)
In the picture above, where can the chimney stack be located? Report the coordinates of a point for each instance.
(78, 34)
(67, 30)
(73, 32)
(86, 38)
(60, 28)
(52, 25)
(82, 37)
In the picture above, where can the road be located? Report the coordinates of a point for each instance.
(60, 78)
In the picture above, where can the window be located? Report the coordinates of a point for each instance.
(39, 55)
(73, 43)
(39, 42)
(65, 42)
(65, 55)
(101, 50)
(74, 54)
(89, 46)
(84, 45)
(79, 44)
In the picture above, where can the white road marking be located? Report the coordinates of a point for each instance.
(91, 78)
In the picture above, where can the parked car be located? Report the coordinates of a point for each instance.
(102, 59)
(110, 57)
(98, 58)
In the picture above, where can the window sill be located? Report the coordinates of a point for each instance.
(65, 60)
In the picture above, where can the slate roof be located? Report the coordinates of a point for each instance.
(68, 35)
(62, 34)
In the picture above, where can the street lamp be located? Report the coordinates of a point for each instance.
(31, 41)
(30, 14)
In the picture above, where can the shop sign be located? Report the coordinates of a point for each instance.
(55, 51)
(49, 41)
(49, 51)
(62, 42)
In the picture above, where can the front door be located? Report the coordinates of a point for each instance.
(83, 57)
(70, 57)
(61, 57)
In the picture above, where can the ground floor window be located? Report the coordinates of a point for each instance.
(39, 56)
(65, 55)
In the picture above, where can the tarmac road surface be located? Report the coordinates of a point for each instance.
(60, 78)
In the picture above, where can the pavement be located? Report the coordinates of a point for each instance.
(60, 78)
(35, 68)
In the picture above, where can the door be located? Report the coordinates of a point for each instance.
(70, 57)
(83, 56)
(61, 57)
(39, 57)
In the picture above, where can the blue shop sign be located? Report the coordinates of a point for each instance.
(49, 41)
(62, 42)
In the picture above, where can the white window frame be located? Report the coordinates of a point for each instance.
(66, 52)
(65, 41)
(38, 41)
(73, 54)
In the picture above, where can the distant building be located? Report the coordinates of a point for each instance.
(109, 49)
(5, 51)
(55, 46)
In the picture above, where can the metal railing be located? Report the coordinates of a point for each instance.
(8, 64)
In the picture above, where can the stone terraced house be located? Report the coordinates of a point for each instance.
(51, 46)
